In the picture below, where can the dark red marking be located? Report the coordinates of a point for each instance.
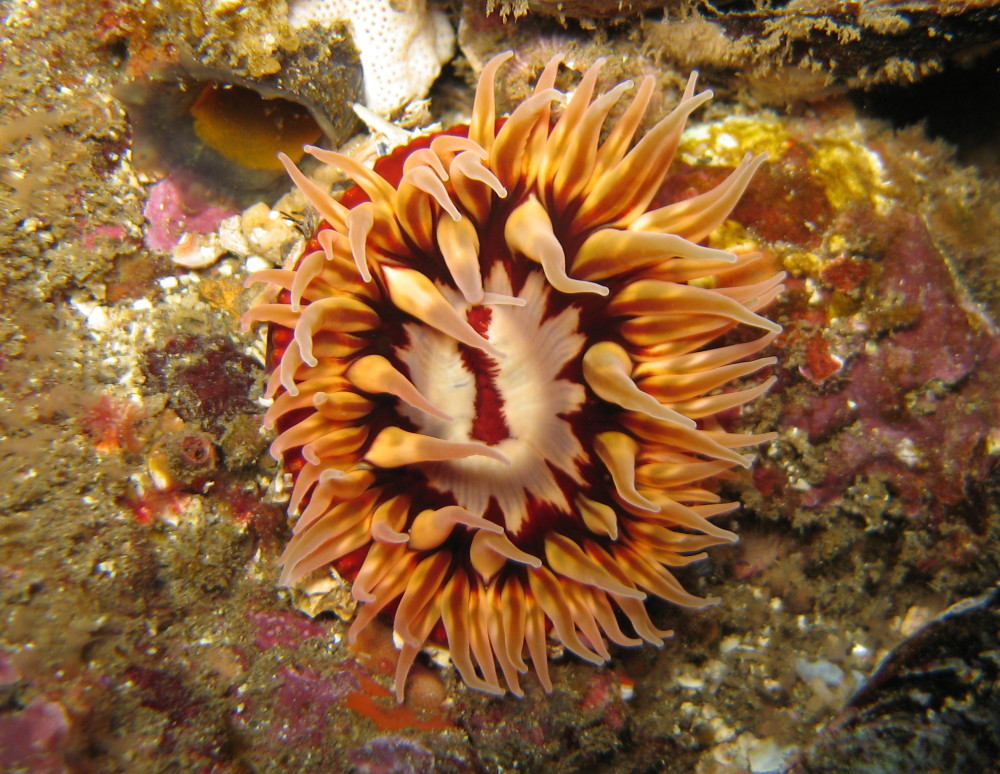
(490, 424)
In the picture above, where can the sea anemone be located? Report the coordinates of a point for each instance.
(494, 386)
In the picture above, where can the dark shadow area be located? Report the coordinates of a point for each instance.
(960, 105)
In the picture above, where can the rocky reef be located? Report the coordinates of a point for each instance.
(141, 627)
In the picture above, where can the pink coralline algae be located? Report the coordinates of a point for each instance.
(174, 210)
(302, 710)
(306, 699)
(283, 628)
(392, 755)
(35, 738)
(114, 232)
(912, 407)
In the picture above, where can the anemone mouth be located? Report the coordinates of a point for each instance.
(495, 376)
(517, 405)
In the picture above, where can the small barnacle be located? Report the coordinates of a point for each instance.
(182, 459)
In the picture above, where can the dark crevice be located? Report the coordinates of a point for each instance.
(960, 105)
